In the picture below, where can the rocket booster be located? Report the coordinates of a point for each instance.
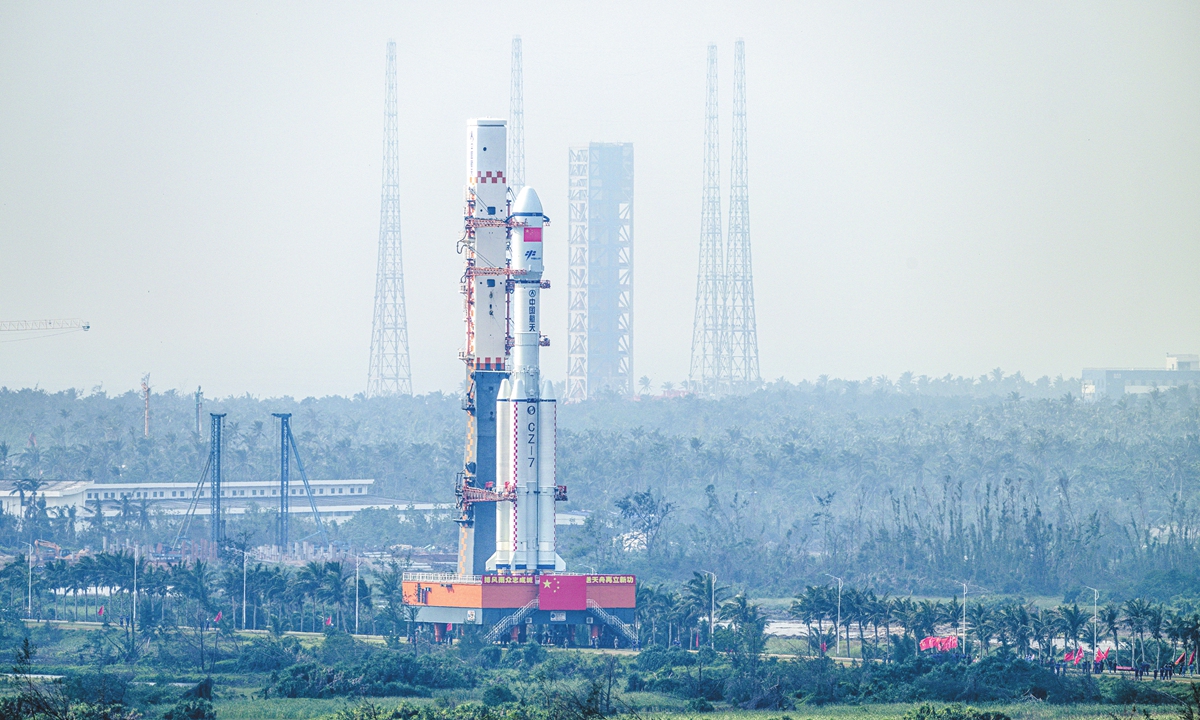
(526, 412)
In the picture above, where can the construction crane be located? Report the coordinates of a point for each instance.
(32, 325)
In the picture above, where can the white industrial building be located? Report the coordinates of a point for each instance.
(336, 499)
(1180, 370)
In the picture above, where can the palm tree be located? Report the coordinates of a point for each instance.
(1110, 618)
(1154, 625)
(1136, 611)
(308, 584)
(703, 592)
(979, 618)
(1073, 621)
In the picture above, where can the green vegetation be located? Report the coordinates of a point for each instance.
(903, 490)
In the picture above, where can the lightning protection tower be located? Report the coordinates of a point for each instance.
(710, 347)
(742, 327)
(600, 270)
(215, 518)
(516, 122)
(390, 373)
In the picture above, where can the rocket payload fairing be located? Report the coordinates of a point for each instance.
(510, 462)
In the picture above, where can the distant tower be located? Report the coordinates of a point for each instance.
(743, 333)
(710, 354)
(216, 516)
(600, 270)
(390, 373)
(516, 122)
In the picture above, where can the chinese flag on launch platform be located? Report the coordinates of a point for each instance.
(562, 592)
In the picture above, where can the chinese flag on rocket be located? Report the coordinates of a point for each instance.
(562, 592)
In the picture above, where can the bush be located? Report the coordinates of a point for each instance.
(191, 709)
(699, 705)
(498, 695)
(952, 712)
(381, 673)
(268, 654)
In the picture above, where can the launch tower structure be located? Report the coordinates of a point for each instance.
(485, 286)
(516, 121)
(724, 330)
(600, 270)
(390, 372)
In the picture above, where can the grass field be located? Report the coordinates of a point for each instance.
(285, 709)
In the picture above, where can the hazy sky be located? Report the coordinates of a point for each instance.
(935, 187)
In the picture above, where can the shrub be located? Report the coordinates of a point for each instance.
(268, 654)
(191, 709)
(699, 705)
(498, 695)
(925, 711)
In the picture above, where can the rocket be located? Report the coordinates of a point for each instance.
(526, 412)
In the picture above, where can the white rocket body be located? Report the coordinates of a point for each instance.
(526, 414)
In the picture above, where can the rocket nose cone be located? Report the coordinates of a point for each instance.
(547, 390)
(505, 389)
(518, 388)
(528, 202)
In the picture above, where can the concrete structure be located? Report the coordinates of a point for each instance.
(1179, 370)
(600, 275)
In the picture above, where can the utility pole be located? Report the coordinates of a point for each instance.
(356, 593)
(243, 588)
(964, 620)
(1095, 618)
(146, 398)
(712, 608)
(199, 406)
(29, 605)
(838, 629)
(133, 626)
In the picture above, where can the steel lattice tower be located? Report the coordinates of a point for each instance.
(742, 329)
(577, 274)
(516, 122)
(710, 356)
(390, 373)
(600, 273)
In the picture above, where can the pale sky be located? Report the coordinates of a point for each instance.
(935, 187)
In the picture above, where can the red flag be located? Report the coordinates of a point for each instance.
(329, 620)
(1192, 659)
(824, 647)
(1180, 658)
(1078, 655)
(928, 642)
(562, 592)
(217, 619)
(100, 611)
(1068, 655)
